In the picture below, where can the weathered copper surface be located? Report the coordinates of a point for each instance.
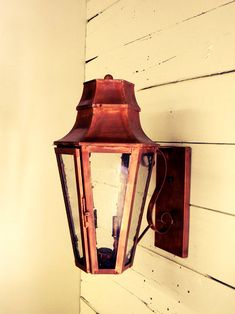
(107, 113)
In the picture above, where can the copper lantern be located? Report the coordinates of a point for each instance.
(105, 164)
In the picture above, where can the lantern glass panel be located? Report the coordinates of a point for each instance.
(109, 176)
(71, 196)
(143, 178)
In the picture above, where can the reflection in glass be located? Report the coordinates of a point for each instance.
(67, 163)
(143, 178)
(109, 175)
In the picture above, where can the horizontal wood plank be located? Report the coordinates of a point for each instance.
(213, 177)
(211, 245)
(157, 285)
(129, 20)
(202, 46)
(196, 292)
(129, 293)
(107, 297)
(194, 111)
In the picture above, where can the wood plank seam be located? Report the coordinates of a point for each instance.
(188, 79)
(221, 282)
(186, 267)
(213, 210)
(208, 11)
(88, 304)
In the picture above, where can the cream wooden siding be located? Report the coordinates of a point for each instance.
(181, 57)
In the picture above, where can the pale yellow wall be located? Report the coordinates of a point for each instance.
(181, 56)
(41, 75)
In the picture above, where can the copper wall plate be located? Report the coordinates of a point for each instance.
(172, 206)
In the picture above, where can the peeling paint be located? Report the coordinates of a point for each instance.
(91, 59)
(102, 11)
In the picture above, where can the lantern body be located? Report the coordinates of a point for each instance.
(105, 165)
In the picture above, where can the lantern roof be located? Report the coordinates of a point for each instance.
(108, 91)
(107, 113)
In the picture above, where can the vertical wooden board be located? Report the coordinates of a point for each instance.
(211, 245)
(205, 44)
(194, 291)
(131, 20)
(194, 111)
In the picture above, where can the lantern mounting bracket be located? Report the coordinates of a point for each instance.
(172, 206)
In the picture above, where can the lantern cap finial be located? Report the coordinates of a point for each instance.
(108, 77)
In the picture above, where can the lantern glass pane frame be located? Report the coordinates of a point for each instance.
(135, 151)
(145, 167)
(83, 263)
